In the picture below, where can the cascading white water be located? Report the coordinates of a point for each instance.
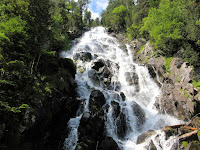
(129, 79)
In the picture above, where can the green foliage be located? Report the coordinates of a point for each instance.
(178, 78)
(190, 55)
(32, 32)
(196, 84)
(167, 63)
(185, 143)
(169, 25)
(198, 133)
(186, 94)
(13, 26)
(142, 47)
(118, 17)
(133, 32)
(5, 106)
(164, 24)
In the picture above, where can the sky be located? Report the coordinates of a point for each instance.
(97, 6)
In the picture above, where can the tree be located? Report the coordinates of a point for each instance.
(87, 16)
(118, 18)
(165, 25)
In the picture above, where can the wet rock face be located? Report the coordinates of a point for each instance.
(152, 146)
(108, 144)
(121, 125)
(143, 137)
(97, 100)
(132, 79)
(98, 64)
(119, 117)
(91, 128)
(140, 114)
(122, 96)
(116, 109)
(84, 56)
(177, 90)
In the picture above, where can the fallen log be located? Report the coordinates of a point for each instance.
(174, 126)
(188, 127)
(187, 135)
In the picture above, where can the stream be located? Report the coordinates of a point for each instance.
(105, 66)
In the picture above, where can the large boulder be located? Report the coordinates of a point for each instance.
(116, 109)
(97, 100)
(140, 115)
(108, 144)
(84, 56)
(98, 64)
(94, 77)
(132, 79)
(177, 91)
(91, 128)
(143, 137)
(121, 123)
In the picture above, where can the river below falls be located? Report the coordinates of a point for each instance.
(105, 64)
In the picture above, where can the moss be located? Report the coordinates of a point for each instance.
(140, 49)
(198, 133)
(154, 54)
(195, 104)
(185, 143)
(81, 69)
(178, 78)
(196, 84)
(186, 94)
(167, 63)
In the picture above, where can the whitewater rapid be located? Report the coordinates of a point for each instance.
(129, 78)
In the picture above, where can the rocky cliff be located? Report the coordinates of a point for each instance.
(179, 97)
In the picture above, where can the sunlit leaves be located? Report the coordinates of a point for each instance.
(164, 23)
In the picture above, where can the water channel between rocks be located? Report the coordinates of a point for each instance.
(117, 97)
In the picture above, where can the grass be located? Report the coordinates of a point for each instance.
(178, 78)
(167, 63)
(140, 49)
(196, 84)
(186, 94)
(185, 143)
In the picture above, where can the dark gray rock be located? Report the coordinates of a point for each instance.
(151, 71)
(85, 118)
(121, 125)
(108, 144)
(84, 56)
(140, 114)
(132, 78)
(98, 64)
(94, 77)
(122, 96)
(152, 146)
(97, 100)
(123, 47)
(143, 137)
(116, 109)
(91, 128)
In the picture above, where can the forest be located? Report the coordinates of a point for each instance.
(34, 32)
(172, 26)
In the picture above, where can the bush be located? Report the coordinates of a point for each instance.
(191, 56)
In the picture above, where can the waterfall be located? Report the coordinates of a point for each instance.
(106, 65)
